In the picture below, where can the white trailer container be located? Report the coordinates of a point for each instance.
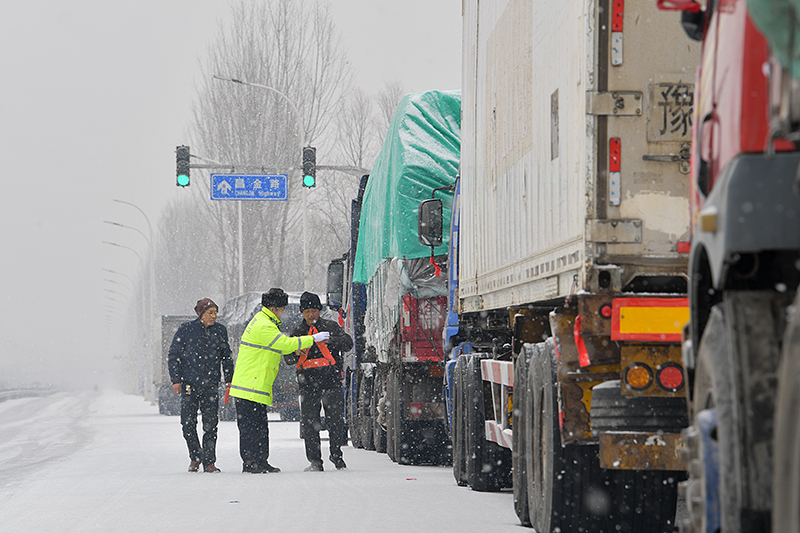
(548, 193)
(572, 258)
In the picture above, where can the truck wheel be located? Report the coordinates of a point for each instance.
(519, 424)
(397, 439)
(715, 389)
(457, 435)
(378, 430)
(391, 437)
(487, 463)
(549, 476)
(364, 420)
(351, 408)
(568, 490)
(560, 477)
(786, 483)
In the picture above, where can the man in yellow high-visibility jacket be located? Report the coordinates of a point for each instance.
(256, 368)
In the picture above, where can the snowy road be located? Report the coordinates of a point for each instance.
(109, 462)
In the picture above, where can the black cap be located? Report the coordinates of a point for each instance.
(275, 298)
(309, 300)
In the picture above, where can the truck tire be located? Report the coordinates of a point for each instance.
(447, 404)
(391, 430)
(568, 491)
(519, 426)
(558, 476)
(488, 465)
(786, 484)
(378, 430)
(398, 439)
(364, 420)
(738, 326)
(457, 430)
(352, 383)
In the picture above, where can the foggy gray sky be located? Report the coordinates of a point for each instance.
(95, 96)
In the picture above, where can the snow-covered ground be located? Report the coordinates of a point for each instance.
(89, 461)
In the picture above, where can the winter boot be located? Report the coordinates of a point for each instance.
(314, 467)
(211, 468)
(338, 462)
(271, 469)
(194, 466)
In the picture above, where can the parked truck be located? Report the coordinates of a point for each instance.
(169, 403)
(741, 350)
(570, 245)
(390, 289)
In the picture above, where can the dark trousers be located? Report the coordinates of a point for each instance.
(251, 417)
(206, 399)
(332, 400)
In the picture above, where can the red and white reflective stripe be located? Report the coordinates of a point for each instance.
(614, 166)
(501, 372)
(617, 14)
(496, 433)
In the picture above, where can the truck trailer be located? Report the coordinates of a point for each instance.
(741, 350)
(390, 289)
(169, 403)
(570, 245)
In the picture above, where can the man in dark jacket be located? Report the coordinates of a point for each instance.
(319, 374)
(198, 350)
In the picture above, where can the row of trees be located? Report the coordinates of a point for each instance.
(196, 246)
(249, 126)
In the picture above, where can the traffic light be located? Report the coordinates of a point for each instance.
(309, 166)
(182, 166)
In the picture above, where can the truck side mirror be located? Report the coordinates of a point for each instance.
(692, 17)
(335, 289)
(429, 222)
(693, 24)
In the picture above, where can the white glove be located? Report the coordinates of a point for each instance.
(321, 336)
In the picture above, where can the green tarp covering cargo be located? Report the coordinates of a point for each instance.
(421, 153)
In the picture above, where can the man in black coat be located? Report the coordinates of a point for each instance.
(197, 351)
(319, 375)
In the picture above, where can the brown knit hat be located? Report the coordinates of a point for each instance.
(203, 305)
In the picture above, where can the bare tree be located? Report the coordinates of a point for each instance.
(387, 100)
(246, 126)
(356, 132)
(187, 262)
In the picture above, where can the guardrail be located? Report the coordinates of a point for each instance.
(24, 393)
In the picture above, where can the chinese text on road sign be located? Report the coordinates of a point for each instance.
(248, 187)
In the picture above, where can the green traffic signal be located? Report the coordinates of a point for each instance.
(309, 166)
(182, 166)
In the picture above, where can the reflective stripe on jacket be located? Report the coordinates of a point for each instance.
(259, 356)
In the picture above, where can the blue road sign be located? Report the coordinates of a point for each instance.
(248, 187)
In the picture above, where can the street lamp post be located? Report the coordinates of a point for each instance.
(301, 137)
(146, 386)
(153, 321)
